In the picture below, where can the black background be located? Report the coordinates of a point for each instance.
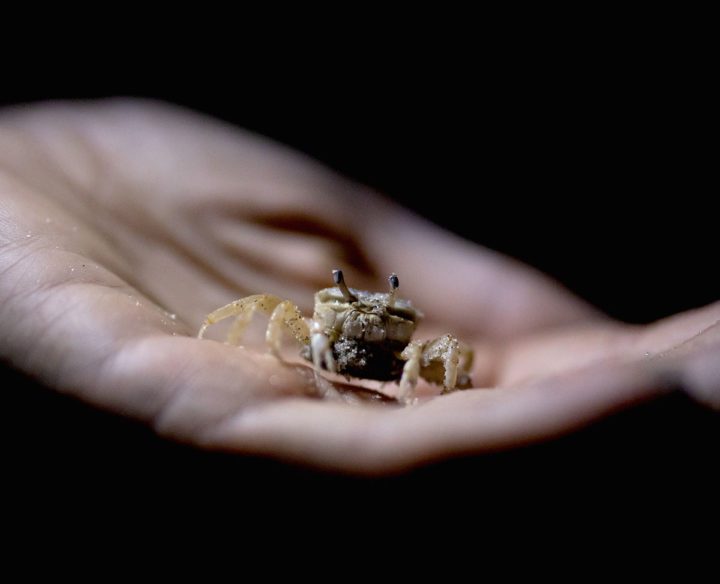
(591, 160)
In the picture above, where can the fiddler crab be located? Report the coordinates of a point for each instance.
(357, 334)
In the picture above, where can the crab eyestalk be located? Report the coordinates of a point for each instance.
(394, 285)
(339, 279)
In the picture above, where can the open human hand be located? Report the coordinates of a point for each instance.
(123, 223)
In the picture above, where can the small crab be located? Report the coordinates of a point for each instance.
(357, 334)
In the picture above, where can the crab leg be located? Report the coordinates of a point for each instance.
(286, 315)
(283, 314)
(438, 361)
(321, 350)
(411, 370)
(444, 350)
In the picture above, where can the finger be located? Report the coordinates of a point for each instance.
(679, 330)
(547, 353)
(700, 374)
(687, 348)
(227, 211)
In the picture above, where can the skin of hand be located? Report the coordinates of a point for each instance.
(122, 223)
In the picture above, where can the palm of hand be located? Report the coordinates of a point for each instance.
(126, 223)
